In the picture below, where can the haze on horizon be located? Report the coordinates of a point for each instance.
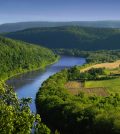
(58, 10)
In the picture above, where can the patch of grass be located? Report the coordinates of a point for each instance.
(75, 87)
(113, 85)
(73, 84)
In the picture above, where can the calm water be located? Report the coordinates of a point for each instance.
(27, 85)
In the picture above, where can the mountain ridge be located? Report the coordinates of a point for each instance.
(69, 37)
(11, 27)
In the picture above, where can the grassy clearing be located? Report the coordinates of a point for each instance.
(98, 87)
(75, 87)
(112, 65)
(73, 84)
(89, 91)
(112, 86)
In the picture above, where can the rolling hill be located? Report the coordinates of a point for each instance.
(18, 57)
(83, 38)
(11, 27)
(81, 103)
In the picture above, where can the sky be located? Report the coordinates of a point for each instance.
(58, 10)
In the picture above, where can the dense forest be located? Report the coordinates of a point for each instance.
(11, 27)
(83, 38)
(18, 57)
(99, 56)
(62, 111)
(81, 113)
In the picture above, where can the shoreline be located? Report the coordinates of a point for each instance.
(26, 71)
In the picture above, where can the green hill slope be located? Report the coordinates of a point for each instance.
(17, 57)
(83, 38)
(94, 109)
(11, 27)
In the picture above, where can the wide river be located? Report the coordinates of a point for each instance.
(27, 85)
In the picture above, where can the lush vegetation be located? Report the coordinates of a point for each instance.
(18, 57)
(59, 109)
(15, 115)
(92, 56)
(84, 38)
(81, 113)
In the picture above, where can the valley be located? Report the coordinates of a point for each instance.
(59, 67)
(28, 84)
(69, 87)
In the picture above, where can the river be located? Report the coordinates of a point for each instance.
(27, 85)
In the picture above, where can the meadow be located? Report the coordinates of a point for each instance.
(112, 85)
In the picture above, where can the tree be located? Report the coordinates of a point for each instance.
(15, 115)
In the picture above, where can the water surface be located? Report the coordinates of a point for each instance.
(27, 85)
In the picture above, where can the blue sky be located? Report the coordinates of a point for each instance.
(58, 10)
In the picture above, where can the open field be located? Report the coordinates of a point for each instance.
(98, 87)
(73, 84)
(112, 65)
(76, 87)
(112, 86)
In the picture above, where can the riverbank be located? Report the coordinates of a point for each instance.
(93, 101)
(26, 71)
(17, 57)
(27, 85)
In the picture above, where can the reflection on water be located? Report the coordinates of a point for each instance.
(21, 80)
(27, 85)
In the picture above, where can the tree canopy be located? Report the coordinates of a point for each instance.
(17, 57)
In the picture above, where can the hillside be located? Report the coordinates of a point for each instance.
(83, 38)
(81, 103)
(17, 57)
(11, 27)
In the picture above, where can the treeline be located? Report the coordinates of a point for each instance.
(92, 56)
(77, 114)
(17, 57)
(10, 27)
(15, 115)
(92, 74)
(69, 37)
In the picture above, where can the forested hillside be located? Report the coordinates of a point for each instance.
(83, 38)
(77, 102)
(11, 27)
(17, 57)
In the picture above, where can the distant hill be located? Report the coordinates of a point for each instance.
(18, 57)
(11, 27)
(84, 38)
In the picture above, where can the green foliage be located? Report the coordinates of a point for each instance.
(92, 74)
(74, 73)
(77, 114)
(17, 57)
(69, 37)
(15, 115)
